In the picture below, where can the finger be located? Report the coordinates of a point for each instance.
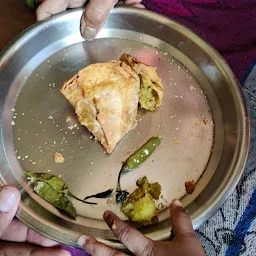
(127, 235)
(18, 232)
(135, 3)
(51, 7)
(140, 6)
(76, 3)
(129, 2)
(9, 202)
(12, 249)
(95, 248)
(181, 223)
(94, 16)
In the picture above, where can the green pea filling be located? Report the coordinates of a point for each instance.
(148, 96)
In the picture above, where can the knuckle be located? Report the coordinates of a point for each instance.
(116, 253)
(124, 233)
(33, 251)
(149, 249)
(91, 246)
(94, 16)
(189, 234)
(97, 13)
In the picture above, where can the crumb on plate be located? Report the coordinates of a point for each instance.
(190, 186)
(205, 120)
(58, 158)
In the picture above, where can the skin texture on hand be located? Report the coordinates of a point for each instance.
(185, 242)
(26, 241)
(93, 17)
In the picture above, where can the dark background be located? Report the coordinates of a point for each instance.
(14, 18)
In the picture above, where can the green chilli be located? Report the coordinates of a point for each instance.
(142, 154)
(58, 188)
(55, 182)
(55, 198)
(136, 159)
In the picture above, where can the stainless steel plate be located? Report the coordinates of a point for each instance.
(199, 91)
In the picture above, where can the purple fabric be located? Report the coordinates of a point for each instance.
(75, 252)
(228, 25)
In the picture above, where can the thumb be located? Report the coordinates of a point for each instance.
(9, 202)
(181, 223)
(94, 17)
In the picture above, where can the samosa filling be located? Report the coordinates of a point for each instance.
(148, 96)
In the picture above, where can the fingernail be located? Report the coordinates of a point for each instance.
(89, 33)
(113, 226)
(177, 203)
(7, 199)
(82, 240)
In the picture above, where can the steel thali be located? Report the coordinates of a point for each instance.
(203, 120)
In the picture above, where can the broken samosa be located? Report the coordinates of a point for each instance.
(106, 96)
(151, 88)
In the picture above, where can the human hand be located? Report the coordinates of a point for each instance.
(185, 242)
(12, 230)
(93, 17)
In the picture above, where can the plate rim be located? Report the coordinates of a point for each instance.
(244, 141)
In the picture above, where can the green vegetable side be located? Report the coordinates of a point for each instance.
(55, 198)
(134, 161)
(56, 183)
(56, 192)
(140, 206)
